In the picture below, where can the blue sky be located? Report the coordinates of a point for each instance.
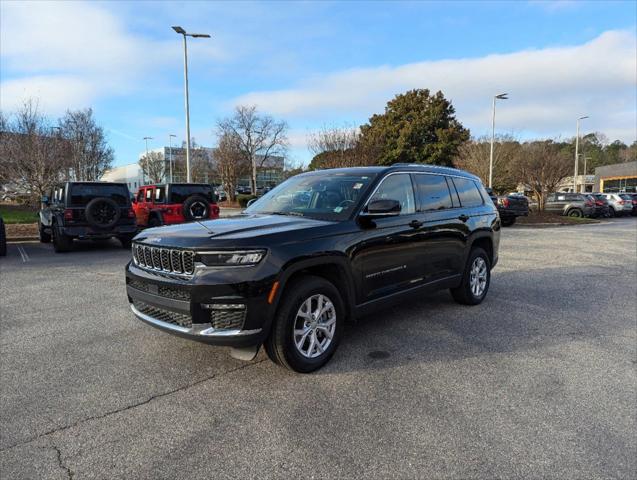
(322, 63)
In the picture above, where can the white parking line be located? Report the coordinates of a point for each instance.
(23, 254)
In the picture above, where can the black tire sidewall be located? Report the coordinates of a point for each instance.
(284, 323)
(188, 203)
(90, 206)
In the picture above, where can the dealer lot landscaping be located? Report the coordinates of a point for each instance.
(538, 381)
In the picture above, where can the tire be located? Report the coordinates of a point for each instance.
(61, 242)
(154, 221)
(281, 344)
(575, 212)
(611, 212)
(42, 235)
(196, 207)
(464, 294)
(507, 221)
(125, 240)
(3, 239)
(102, 212)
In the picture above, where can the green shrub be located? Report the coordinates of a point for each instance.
(244, 199)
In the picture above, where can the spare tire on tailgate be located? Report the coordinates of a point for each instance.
(196, 207)
(102, 212)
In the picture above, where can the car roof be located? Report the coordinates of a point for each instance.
(398, 167)
(97, 183)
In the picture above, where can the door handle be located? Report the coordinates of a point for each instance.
(463, 217)
(415, 224)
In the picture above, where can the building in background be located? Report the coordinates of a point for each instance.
(585, 183)
(130, 174)
(619, 177)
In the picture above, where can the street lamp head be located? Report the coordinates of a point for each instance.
(502, 96)
(198, 35)
(179, 30)
(582, 118)
(171, 135)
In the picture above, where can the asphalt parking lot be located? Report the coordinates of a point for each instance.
(539, 381)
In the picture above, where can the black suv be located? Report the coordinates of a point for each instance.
(319, 248)
(86, 210)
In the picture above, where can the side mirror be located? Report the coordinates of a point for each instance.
(250, 202)
(45, 199)
(382, 208)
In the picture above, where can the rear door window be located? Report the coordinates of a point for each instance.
(82, 193)
(149, 195)
(468, 192)
(433, 192)
(160, 197)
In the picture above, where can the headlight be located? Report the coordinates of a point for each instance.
(245, 258)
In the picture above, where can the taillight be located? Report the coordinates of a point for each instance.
(131, 213)
(599, 203)
(68, 214)
(621, 202)
(504, 202)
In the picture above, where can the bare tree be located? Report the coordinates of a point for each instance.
(542, 166)
(32, 154)
(91, 155)
(473, 156)
(336, 147)
(230, 162)
(153, 165)
(258, 137)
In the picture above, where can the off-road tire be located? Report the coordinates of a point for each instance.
(42, 235)
(100, 206)
(199, 201)
(154, 221)
(61, 243)
(125, 240)
(463, 293)
(280, 346)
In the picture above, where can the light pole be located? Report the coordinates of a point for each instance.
(146, 140)
(170, 142)
(183, 32)
(502, 96)
(577, 154)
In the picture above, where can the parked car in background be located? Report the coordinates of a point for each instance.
(619, 204)
(220, 193)
(570, 204)
(3, 239)
(86, 211)
(171, 203)
(509, 206)
(601, 205)
(633, 197)
(288, 273)
(243, 190)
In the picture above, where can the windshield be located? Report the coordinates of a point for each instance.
(323, 195)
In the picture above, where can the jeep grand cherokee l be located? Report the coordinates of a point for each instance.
(319, 248)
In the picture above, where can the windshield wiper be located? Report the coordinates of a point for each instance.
(296, 214)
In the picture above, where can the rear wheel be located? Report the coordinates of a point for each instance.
(575, 212)
(44, 237)
(611, 212)
(475, 279)
(308, 325)
(125, 240)
(154, 221)
(61, 242)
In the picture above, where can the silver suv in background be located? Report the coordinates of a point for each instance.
(571, 204)
(619, 204)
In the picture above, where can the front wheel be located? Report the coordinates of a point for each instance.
(308, 325)
(475, 279)
(61, 242)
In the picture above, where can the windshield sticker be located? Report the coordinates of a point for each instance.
(357, 186)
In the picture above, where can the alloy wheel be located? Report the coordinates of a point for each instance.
(314, 326)
(478, 277)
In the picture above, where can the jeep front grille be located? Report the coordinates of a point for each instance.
(166, 260)
(163, 315)
(227, 319)
(161, 290)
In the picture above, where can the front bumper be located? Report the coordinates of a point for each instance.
(200, 308)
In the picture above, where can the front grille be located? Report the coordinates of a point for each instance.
(167, 260)
(227, 319)
(163, 315)
(161, 290)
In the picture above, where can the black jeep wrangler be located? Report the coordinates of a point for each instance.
(86, 210)
(320, 248)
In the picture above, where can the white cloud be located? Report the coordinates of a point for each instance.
(548, 88)
(72, 53)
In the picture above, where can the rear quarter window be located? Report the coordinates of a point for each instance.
(468, 192)
(80, 194)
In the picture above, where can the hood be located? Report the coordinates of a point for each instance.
(239, 230)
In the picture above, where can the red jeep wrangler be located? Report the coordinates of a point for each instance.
(157, 205)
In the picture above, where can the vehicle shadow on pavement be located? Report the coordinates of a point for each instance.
(552, 307)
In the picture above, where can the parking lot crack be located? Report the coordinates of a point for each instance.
(128, 407)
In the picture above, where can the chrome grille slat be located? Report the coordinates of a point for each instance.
(165, 260)
(163, 315)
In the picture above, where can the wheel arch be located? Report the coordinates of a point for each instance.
(484, 241)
